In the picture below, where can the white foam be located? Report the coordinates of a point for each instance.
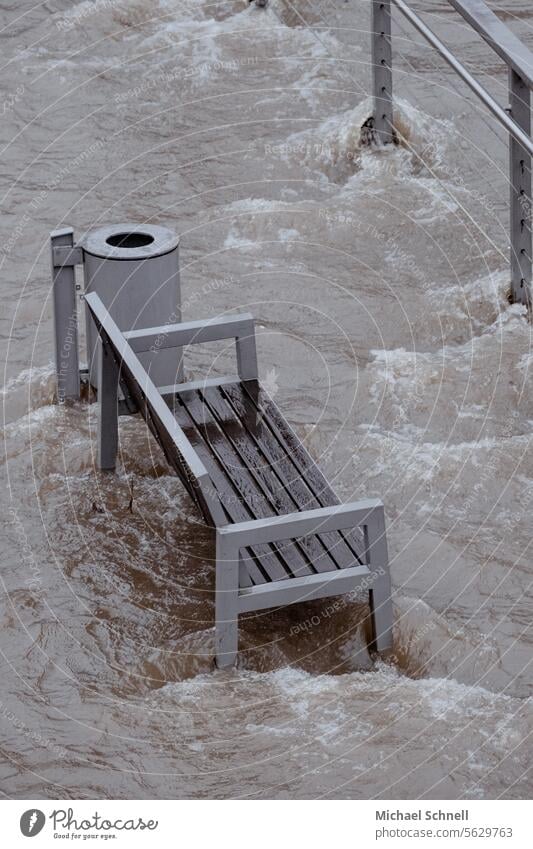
(288, 234)
(234, 240)
(334, 148)
(35, 376)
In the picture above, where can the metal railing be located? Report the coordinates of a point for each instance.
(516, 119)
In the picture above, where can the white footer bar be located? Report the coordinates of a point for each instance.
(262, 824)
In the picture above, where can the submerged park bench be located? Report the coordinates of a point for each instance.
(282, 536)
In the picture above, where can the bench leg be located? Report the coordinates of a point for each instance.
(226, 606)
(381, 613)
(107, 407)
(380, 599)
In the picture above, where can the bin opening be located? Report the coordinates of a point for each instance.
(129, 240)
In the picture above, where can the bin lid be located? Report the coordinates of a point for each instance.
(129, 241)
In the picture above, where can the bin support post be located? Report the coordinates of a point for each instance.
(382, 70)
(520, 184)
(65, 319)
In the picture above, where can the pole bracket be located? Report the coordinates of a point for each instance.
(64, 256)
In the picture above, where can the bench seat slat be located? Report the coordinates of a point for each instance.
(257, 501)
(264, 472)
(309, 470)
(255, 556)
(235, 492)
(298, 553)
(260, 469)
(285, 465)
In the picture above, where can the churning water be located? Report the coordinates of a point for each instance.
(379, 280)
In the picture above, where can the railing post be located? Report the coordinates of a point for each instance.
(65, 319)
(382, 69)
(520, 183)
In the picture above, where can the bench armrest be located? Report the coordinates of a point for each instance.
(337, 517)
(239, 327)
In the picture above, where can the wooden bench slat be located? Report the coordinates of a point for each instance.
(260, 465)
(235, 493)
(285, 465)
(235, 511)
(258, 501)
(297, 451)
(306, 556)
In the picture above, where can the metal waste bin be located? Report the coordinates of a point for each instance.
(135, 271)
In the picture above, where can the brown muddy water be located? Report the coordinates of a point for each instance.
(379, 283)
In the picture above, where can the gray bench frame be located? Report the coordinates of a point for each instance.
(234, 596)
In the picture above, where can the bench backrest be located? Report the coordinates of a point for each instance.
(140, 389)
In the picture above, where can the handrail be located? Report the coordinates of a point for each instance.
(472, 83)
(504, 42)
(516, 119)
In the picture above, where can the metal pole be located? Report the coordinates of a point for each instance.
(382, 69)
(505, 43)
(498, 111)
(65, 318)
(520, 183)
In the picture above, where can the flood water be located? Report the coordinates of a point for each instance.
(379, 281)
